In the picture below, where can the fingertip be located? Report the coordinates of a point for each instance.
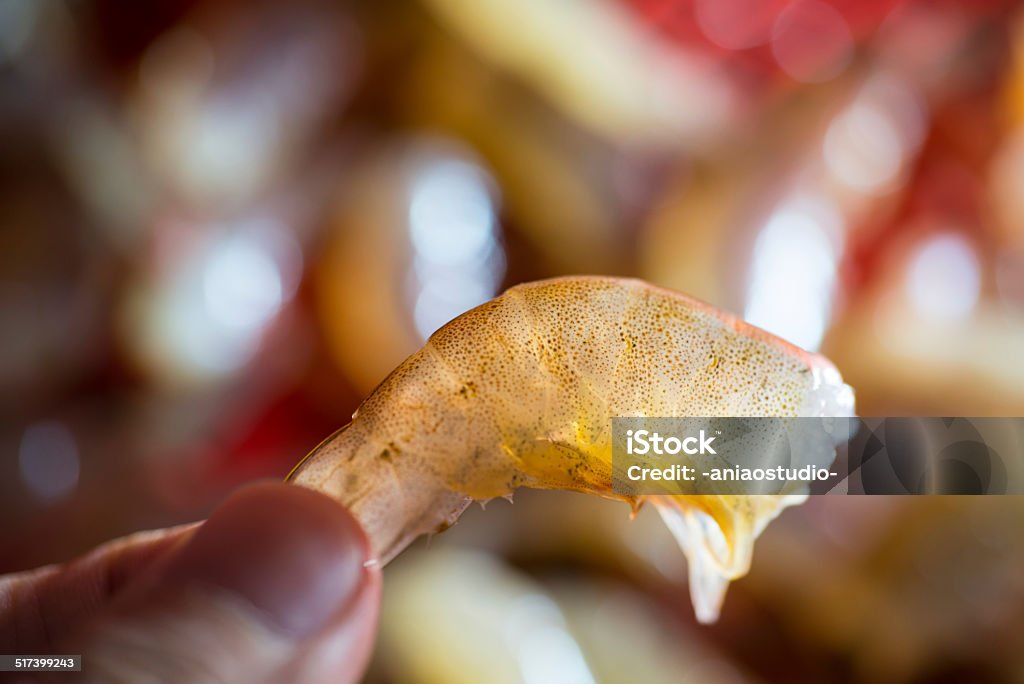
(295, 555)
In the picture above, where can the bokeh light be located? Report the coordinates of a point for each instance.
(49, 461)
(793, 274)
(457, 260)
(205, 317)
(869, 144)
(811, 41)
(944, 277)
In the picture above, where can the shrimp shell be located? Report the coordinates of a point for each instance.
(520, 392)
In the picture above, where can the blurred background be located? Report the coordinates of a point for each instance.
(224, 222)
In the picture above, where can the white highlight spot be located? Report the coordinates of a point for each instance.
(206, 317)
(547, 652)
(242, 284)
(451, 217)
(944, 278)
(457, 261)
(551, 655)
(794, 272)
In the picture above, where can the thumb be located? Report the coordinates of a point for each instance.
(273, 587)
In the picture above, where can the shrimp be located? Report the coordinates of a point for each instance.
(521, 392)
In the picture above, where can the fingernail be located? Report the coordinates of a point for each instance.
(294, 554)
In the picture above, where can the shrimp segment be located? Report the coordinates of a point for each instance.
(521, 392)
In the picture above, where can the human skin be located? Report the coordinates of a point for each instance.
(277, 585)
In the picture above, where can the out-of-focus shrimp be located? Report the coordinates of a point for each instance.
(521, 392)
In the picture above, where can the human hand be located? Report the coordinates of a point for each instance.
(275, 586)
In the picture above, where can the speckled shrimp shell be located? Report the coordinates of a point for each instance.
(520, 392)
